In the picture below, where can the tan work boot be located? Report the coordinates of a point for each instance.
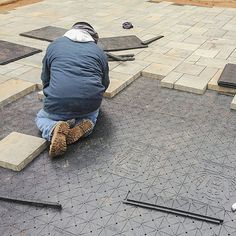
(79, 131)
(58, 143)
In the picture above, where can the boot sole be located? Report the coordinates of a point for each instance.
(79, 131)
(58, 143)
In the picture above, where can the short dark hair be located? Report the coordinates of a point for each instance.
(83, 23)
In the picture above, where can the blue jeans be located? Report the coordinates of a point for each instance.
(46, 122)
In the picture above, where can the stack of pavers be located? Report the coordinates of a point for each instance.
(228, 80)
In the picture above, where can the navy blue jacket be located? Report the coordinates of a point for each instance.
(74, 76)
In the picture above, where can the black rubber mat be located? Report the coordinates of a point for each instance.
(47, 33)
(121, 43)
(50, 33)
(10, 52)
(148, 139)
(228, 76)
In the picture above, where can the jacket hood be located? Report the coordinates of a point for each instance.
(79, 35)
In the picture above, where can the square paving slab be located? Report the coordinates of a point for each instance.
(50, 33)
(228, 76)
(147, 139)
(14, 89)
(17, 150)
(10, 52)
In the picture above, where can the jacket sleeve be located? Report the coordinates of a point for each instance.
(105, 77)
(45, 75)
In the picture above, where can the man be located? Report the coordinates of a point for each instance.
(74, 77)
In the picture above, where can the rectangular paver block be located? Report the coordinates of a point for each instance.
(228, 76)
(14, 89)
(17, 150)
(157, 71)
(170, 79)
(190, 83)
(190, 69)
(118, 81)
(206, 53)
(180, 45)
(195, 84)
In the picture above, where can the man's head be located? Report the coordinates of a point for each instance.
(87, 27)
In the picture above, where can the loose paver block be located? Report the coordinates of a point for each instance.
(12, 52)
(14, 89)
(17, 150)
(170, 79)
(233, 103)
(228, 76)
(157, 71)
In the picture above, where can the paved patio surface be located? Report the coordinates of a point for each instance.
(198, 41)
(148, 138)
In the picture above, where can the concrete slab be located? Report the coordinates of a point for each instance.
(14, 89)
(17, 150)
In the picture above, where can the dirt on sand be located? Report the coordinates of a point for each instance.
(12, 4)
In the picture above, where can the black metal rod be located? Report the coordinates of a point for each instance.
(146, 42)
(32, 202)
(174, 211)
